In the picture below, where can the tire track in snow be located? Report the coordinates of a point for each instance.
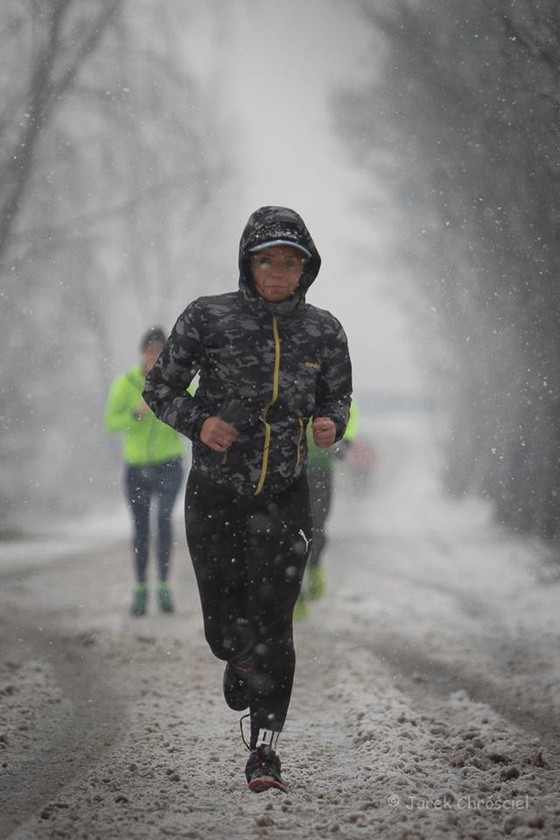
(57, 711)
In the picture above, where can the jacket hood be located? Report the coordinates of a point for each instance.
(277, 224)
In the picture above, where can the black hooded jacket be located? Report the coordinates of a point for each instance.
(266, 368)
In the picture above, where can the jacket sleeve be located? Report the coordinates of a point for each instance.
(334, 382)
(352, 427)
(165, 389)
(120, 406)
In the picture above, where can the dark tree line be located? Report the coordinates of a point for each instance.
(109, 152)
(465, 108)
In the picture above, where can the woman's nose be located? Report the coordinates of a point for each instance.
(278, 267)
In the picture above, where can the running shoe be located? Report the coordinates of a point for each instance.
(235, 686)
(139, 600)
(263, 770)
(164, 598)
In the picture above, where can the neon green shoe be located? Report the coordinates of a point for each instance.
(316, 586)
(300, 609)
(164, 597)
(139, 600)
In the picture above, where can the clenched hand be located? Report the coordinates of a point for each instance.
(324, 431)
(217, 434)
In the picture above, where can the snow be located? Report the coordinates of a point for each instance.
(66, 538)
(425, 703)
(289, 153)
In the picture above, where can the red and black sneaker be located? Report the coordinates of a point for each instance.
(235, 686)
(263, 770)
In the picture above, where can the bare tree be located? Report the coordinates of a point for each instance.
(106, 178)
(56, 38)
(469, 102)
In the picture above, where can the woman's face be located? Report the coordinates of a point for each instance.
(276, 271)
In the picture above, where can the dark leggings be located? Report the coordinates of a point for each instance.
(320, 494)
(160, 482)
(249, 556)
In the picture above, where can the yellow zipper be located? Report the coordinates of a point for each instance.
(275, 378)
(301, 432)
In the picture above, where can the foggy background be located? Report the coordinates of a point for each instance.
(419, 141)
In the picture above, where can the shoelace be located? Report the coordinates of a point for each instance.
(272, 757)
(244, 717)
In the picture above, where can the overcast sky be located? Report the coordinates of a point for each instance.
(286, 61)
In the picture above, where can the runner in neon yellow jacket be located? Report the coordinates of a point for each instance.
(152, 453)
(320, 467)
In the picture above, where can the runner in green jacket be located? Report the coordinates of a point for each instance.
(320, 468)
(153, 469)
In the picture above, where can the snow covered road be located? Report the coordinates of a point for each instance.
(426, 701)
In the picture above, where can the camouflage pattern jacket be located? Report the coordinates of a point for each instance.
(266, 368)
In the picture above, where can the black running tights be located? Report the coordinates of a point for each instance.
(249, 556)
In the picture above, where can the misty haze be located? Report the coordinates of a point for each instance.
(418, 141)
